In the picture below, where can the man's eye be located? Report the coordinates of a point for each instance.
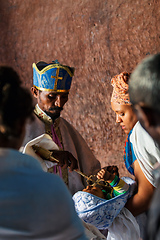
(51, 96)
(121, 114)
(65, 96)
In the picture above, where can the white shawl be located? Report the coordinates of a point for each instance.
(146, 151)
(72, 142)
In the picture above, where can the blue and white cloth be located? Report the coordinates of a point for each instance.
(101, 212)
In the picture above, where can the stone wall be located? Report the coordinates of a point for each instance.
(100, 38)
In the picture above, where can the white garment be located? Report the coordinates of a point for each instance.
(109, 214)
(146, 151)
(34, 204)
(124, 227)
(92, 232)
(72, 142)
(98, 211)
(44, 141)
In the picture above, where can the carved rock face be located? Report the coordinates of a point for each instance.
(100, 39)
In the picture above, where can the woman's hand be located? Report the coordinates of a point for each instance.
(107, 173)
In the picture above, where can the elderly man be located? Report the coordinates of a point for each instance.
(51, 85)
(144, 91)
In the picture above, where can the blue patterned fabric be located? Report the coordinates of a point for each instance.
(129, 156)
(98, 211)
(53, 77)
(34, 204)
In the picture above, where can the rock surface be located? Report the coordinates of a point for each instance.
(100, 38)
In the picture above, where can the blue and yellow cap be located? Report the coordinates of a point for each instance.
(52, 76)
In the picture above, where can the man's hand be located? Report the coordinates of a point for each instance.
(66, 159)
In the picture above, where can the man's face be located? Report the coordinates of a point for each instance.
(124, 116)
(52, 102)
(150, 121)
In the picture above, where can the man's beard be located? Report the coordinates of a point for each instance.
(55, 114)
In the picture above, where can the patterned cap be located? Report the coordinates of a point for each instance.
(120, 88)
(52, 76)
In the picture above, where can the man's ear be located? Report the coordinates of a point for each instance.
(34, 92)
(147, 117)
(143, 116)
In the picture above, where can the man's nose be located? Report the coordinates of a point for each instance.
(118, 119)
(58, 101)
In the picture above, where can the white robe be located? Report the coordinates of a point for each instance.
(34, 204)
(146, 150)
(72, 142)
(109, 214)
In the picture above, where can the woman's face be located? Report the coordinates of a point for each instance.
(124, 116)
(94, 190)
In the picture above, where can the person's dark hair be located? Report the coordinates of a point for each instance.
(144, 83)
(15, 103)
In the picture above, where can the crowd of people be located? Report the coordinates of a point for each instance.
(49, 199)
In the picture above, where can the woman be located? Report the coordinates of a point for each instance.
(31, 202)
(140, 148)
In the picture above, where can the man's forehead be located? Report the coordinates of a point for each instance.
(56, 93)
